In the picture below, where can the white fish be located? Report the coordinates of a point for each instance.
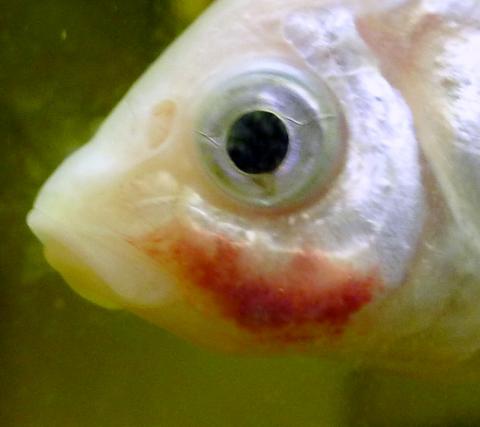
(291, 175)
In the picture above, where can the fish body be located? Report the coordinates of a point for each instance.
(355, 233)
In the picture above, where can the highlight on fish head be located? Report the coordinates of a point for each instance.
(264, 188)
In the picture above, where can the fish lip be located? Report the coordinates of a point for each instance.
(67, 259)
(103, 253)
(45, 226)
(40, 223)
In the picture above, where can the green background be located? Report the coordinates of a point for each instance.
(64, 362)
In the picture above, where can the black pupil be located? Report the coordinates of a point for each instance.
(258, 142)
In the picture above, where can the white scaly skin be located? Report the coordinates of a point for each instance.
(132, 221)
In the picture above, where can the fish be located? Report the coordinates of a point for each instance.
(290, 177)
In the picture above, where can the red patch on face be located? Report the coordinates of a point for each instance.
(289, 295)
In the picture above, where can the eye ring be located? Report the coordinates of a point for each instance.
(291, 100)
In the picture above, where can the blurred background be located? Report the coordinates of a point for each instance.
(64, 64)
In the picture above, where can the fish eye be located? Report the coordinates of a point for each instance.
(270, 137)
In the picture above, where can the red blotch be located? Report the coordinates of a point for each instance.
(289, 297)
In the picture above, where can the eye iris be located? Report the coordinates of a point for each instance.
(257, 143)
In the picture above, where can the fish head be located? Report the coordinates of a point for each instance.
(261, 188)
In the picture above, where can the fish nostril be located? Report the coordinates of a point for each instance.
(162, 121)
(258, 142)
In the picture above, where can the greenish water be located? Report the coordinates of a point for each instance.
(64, 362)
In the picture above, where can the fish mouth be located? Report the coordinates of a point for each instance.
(97, 264)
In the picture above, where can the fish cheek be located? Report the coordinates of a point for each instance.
(299, 299)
